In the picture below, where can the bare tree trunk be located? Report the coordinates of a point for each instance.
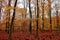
(35, 12)
(24, 15)
(25, 6)
(49, 4)
(30, 28)
(57, 18)
(37, 20)
(43, 15)
(13, 17)
(8, 18)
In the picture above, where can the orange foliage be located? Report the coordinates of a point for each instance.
(21, 10)
(23, 24)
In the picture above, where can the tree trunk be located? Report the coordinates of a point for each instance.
(43, 16)
(8, 18)
(37, 19)
(13, 17)
(49, 4)
(24, 15)
(30, 28)
(57, 18)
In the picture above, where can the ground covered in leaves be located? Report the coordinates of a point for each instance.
(42, 35)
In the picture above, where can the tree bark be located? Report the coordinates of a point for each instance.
(57, 18)
(13, 17)
(37, 20)
(30, 28)
(49, 4)
(43, 15)
(8, 18)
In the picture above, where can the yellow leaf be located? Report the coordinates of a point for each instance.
(8, 7)
(21, 10)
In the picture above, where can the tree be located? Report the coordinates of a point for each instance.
(57, 17)
(13, 17)
(30, 28)
(37, 19)
(8, 18)
(49, 4)
(43, 14)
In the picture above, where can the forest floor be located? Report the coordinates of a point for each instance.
(42, 35)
